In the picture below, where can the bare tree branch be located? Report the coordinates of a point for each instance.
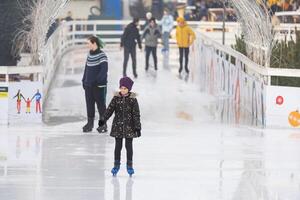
(39, 15)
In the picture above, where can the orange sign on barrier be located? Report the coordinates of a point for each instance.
(294, 118)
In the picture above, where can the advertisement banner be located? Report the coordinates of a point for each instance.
(3, 103)
(25, 102)
(283, 104)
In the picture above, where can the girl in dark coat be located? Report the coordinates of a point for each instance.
(126, 123)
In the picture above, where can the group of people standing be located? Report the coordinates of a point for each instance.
(126, 123)
(185, 37)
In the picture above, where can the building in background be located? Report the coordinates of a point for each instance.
(94, 9)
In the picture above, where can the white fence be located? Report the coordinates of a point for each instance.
(243, 88)
(111, 30)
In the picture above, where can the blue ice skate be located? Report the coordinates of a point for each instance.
(130, 170)
(115, 170)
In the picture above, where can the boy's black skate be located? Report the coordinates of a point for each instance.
(102, 129)
(186, 78)
(89, 126)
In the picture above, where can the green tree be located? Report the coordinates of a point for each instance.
(285, 54)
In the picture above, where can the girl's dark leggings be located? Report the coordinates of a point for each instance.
(118, 148)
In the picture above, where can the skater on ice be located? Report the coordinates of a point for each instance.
(151, 35)
(185, 37)
(94, 82)
(167, 23)
(130, 37)
(126, 123)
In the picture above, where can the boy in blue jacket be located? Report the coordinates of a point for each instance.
(95, 83)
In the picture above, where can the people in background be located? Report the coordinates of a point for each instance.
(167, 24)
(231, 17)
(185, 37)
(151, 35)
(69, 16)
(130, 37)
(286, 6)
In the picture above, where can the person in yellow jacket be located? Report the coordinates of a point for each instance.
(185, 37)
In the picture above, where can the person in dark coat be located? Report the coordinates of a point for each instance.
(94, 82)
(130, 37)
(126, 123)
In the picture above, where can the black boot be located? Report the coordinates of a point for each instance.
(102, 129)
(89, 126)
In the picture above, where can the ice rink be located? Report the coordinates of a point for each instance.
(184, 152)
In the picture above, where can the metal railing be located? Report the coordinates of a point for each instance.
(251, 67)
(111, 30)
(7, 72)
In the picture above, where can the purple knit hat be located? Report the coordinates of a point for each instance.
(126, 82)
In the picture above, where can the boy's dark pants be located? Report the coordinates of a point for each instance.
(95, 95)
(153, 51)
(132, 52)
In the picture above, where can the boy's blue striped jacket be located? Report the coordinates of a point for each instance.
(96, 67)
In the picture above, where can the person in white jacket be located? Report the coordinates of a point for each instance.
(167, 24)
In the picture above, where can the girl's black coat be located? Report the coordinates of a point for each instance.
(126, 122)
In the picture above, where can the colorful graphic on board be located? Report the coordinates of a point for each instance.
(294, 118)
(279, 100)
(25, 102)
(3, 92)
(38, 98)
(19, 97)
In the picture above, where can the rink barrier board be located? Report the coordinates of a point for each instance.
(8, 90)
(242, 89)
(3, 103)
